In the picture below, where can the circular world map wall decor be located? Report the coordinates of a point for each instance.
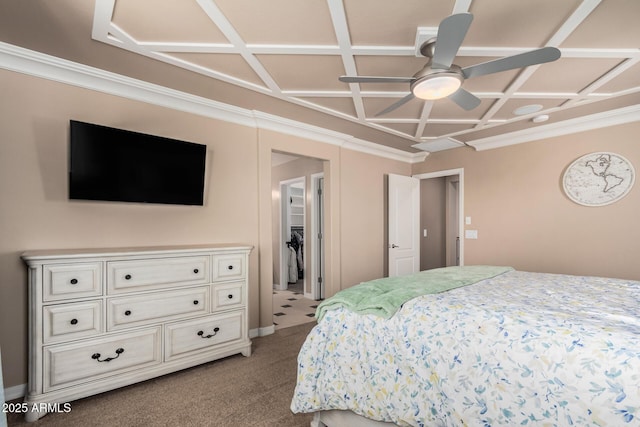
(598, 179)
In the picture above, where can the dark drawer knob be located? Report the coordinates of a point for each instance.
(230, 267)
(127, 313)
(96, 356)
(74, 281)
(230, 296)
(74, 321)
(196, 271)
(196, 302)
(127, 277)
(215, 332)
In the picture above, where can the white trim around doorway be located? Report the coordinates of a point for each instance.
(316, 242)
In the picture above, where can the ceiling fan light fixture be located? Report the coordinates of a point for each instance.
(436, 86)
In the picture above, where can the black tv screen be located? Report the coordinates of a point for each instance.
(123, 166)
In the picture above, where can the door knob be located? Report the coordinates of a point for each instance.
(393, 245)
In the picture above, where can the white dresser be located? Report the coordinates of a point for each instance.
(100, 319)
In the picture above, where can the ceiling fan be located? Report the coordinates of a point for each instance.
(441, 78)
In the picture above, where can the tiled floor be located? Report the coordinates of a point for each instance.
(291, 308)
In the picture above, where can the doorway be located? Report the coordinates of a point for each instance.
(298, 244)
(441, 224)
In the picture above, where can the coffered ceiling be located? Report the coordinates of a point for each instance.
(292, 52)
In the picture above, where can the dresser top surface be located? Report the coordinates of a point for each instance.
(44, 254)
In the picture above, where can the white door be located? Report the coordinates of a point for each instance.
(404, 225)
(452, 222)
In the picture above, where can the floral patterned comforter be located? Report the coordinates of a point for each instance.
(518, 349)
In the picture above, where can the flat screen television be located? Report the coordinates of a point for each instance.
(117, 165)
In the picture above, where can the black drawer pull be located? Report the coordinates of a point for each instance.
(230, 267)
(215, 331)
(196, 302)
(96, 356)
(74, 321)
(196, 271)
(73, 281)
(127, 277)
(230, 296)
(127, 313)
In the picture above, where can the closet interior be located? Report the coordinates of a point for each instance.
(295, 244)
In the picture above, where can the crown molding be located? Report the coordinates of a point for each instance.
(18, 59)
(292, 127)
(37, 64)
(594, 121)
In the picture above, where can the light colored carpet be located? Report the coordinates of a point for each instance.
(235, 392)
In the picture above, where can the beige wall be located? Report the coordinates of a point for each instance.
(515, 200)
(363, 200)
(513, 195)
(36, 213)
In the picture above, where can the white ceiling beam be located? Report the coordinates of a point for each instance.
(341, 29)
(271, 49)
(218, 18)
(318, 93)
(424, 116)
(599, 53)
(190, 47)
(606, 78)
(461, 6)
(544, 95)
(576, 18)
(102, 14)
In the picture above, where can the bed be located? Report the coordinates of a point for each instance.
(508, 348)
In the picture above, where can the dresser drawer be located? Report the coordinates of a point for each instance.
(228, 267)
(70, 321)
(227, 295)
(185, 338)
(93, 359)
(64, 281)
(138, 275)
(156, 307)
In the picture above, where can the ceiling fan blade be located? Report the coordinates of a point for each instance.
(533, 57)
(366, 79)
(396, 105)
(465, 99)
(451, 33)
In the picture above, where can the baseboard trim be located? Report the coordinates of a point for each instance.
(261, 332)
(15, 392)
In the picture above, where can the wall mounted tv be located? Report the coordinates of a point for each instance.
(123, 166)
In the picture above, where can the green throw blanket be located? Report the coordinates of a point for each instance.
(383, 297)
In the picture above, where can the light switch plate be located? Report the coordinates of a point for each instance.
(471, 234)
